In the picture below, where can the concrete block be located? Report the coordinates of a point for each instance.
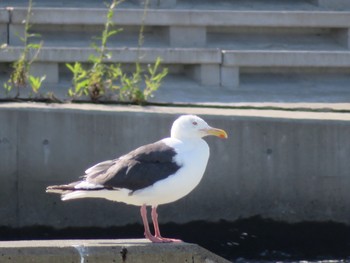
(103, 251)
(16, 31)
(205, 74)
(229, 77)
(333, 4)
(50, 70)
(342, 36)
(167, 3)
(3, 34)
(4, 16)
(187, 36)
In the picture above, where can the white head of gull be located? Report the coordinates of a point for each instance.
(152, 175)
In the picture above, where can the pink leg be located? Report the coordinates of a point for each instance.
(148, 234)
(154, 215)
(155, 221)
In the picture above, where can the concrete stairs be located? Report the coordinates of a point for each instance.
(219, 52)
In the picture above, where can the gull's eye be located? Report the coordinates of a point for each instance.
(194, 123)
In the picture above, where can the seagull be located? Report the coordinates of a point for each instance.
(151, 175)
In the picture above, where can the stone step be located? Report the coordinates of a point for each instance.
(146, 55)
(233, 61)
(245, 58)
(209, 67)
(210, 46)
(202, 65)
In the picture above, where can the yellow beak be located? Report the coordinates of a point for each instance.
(216, 132)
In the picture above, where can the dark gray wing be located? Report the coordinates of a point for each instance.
(136, 170)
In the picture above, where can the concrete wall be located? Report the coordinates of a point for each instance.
(281, 165)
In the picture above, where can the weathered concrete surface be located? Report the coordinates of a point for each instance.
(190, 17)
(290, 166)
(101, 251)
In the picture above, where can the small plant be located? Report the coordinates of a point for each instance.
(20, 77)
(95, 80)
(35, 82)
(101, 79)
(131, 85)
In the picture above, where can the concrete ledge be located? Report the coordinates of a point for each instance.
(103, 251)
(93, 16)
(121, 55)
(254, 58)
(206, 60)
(246, 58)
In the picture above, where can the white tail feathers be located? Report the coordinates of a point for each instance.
(54, 190)
(81, 189)
(74, 195)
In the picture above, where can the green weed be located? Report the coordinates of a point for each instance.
(20, 76)
(101, 78)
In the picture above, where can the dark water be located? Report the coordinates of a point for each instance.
(250, 240)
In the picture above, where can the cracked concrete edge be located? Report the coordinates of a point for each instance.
(254, 113)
